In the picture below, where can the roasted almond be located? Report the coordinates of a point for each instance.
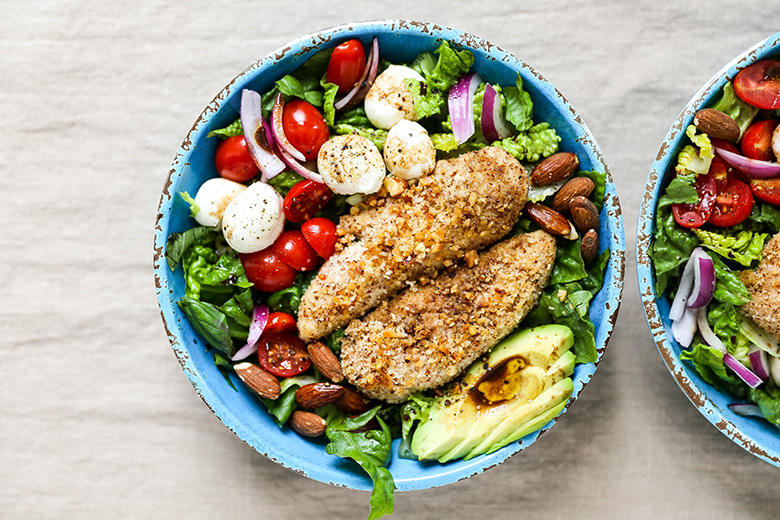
(308, 424)
(584, 213)
(325, 361)
(581, 186)
(716, 124)
(352, 402)
(258, 380)
(555, 168)
(315, 395)
(548, 219)
(589, 246)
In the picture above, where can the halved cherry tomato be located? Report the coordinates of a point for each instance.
(267, 271)
(733, 204)
(305, 199)
(320, 233)
(295, 251)
(757, 141)
(346, 65)
(283, 354)
(767, 190)
(719, 171)
(695, 215)
(759, 84)
(304, 127)
(233, 161)
(280, 322)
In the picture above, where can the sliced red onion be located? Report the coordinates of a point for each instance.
(299, 168)
(703, 280)
(774, 369)
(744, 373)
(244, 352)
(684, 329)
(494, 126)
(709, 337)
(341, 103)
(759, 363)
(372, 65)
(269, 135)
(276, 125)
(461, 103)
(256, 327)
(684, 289)
(258, 144)
(751, 167)
(746, 410)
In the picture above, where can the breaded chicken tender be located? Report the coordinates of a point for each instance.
(764, 285)
(466, 204)
(428, 335)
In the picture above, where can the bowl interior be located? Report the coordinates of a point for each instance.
(755, 435)
(399, 41)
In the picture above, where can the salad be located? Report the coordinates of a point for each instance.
(315, 150)
(712, 246)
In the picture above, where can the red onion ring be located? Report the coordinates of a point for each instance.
(684, 329)
(742, 372)
(706, 332)
(299, 168)
(746, 410)
(751, 167)
(703, 281)
(256, 327)
(759, 363)
(494, 126)
(259, 145)
(460, 103)
(341, 103)
(373, 67)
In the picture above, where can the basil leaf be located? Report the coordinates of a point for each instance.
(210, 323)
(232, 130)
(178, 243)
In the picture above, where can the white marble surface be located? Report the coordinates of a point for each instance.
(98, 420)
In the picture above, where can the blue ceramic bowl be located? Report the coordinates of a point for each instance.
(399, 41)
(755, 435)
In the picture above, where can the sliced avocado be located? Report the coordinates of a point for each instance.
(516, 372)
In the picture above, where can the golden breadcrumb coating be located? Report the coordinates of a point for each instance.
(764, 285)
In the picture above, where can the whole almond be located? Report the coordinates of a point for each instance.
(258, 380)
(584, 213)
(325, 361)
(352, 402)
(548, 219)
(315, 395)
(555, 168)
(308, 424)
(589, 246)
(716, 124)
(581, 186)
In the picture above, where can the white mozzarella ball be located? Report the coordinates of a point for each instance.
(776, 143)
(213, 197)
(409, 150)
(254, 219)
(389, 99)
(351, 164)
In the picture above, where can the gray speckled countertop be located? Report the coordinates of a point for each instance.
(98, 420)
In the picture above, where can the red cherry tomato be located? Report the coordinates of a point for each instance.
(767, 190)
(305, 199)
(280, 322)
(733, 204)
(759, 84)
(295, 251)
(695, 215)
(304, 127)
(233, 161)
(346, 65)
(757, 141)
(320, 233)
(719, 171)
(267, 271)
(283, 354)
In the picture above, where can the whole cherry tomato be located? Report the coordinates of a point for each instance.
(283, 354)
(759, 84)
(733, 204)
(767, 190)
(757, 141)
(305, 199)
(233, 161)
(696, 215)
(321, 235)
(304, 127)
(346, 65)
(280, 322)
(267, 271)
(295, 251)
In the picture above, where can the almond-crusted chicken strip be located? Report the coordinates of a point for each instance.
(466, 204)
(428, 335)
(764, 285)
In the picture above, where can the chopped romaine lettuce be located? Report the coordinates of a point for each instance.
(743, 247)
(681, 190)
(519, 107)
(232, 130)
(539, 141)
(695, 159)
(740, 111)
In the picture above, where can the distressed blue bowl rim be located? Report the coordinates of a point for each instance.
(281, 445)
(754, 435)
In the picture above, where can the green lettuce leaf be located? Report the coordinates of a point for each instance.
(355, 117)
(539, 141)
(766, 216)
(728, 287)
(450, 66)
(740, 111)
(178, 243)
(375, 135)
(328, 100)
(427, 102)
(768, 399)
(285, 181)
(232, 130)
(708, 362)
(415, 410)
(333, 341)
(672, 246)
(600, 181)
(445, 142)
(518, 107)
(695, 159)
(194, 208)
(225, 366)
(743, 247)
(681, 190)
(283, 406)
(205, 270)
(287, 300)
(569, 266)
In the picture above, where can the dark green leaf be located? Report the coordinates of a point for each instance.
(285, 181)
(328, 100)
(600, 180)
(569, 266)
(681, 190)
(672, 246)
(519, 107)
(178, 243)
(595, 278)
(765, 215)
(283, 406)
(415, 410)
(333, 341)
(210, 323)
(289, 86)
(232, 130)
(728, 287)
(768, 399)
(225, 366)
